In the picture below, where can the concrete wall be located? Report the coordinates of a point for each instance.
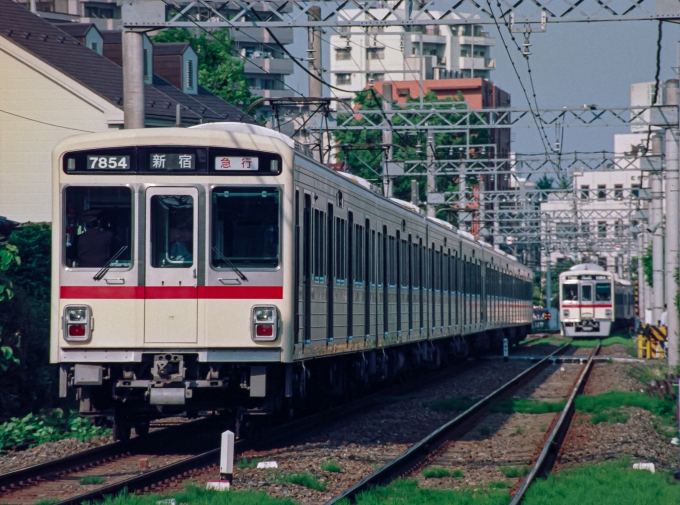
(34, 90)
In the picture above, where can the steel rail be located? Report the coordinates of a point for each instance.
(284, 432)
(402, 463)
(13, 480)
(552, 445)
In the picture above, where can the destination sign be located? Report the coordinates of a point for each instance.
(236, 163)
(172, 161)
(105, 163)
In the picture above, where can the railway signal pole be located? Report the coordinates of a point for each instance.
(656, 229)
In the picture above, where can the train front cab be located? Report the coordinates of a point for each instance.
(586, 304)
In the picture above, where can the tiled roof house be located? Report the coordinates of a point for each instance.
(53, 86)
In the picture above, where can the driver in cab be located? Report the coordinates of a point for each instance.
(94, 245)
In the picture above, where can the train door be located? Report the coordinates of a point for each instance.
(307, 270)
(171, 300)
(587, 309)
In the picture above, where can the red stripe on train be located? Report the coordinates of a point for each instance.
(171, 292)
(600, 306)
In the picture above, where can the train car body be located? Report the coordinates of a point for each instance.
(593, 302)
(217, 267)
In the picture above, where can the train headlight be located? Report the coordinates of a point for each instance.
(265, 323)
(565, 313)
(78, 323)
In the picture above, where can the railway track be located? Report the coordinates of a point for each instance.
(60, 478)
(438, 447)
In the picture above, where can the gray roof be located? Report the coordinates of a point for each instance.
(169, 48)
(58, 49)
(76, 29)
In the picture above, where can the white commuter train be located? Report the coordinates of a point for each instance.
(219, 268)
(593, 302)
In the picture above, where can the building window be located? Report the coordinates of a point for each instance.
(343, 79)
(585, 228)
(601, 229)
(585, 192)
(343, 54)
(635, 190)
(375, 53)
(190, 74)
(95, 47)
(98, 12)
(375, 77)
(601, 192)
(618, 191)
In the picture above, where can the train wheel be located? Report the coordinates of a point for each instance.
(142, 428)
(121, 431)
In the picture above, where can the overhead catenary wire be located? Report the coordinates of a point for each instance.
(534, 114)
(45, 122)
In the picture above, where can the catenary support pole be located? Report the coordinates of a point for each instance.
(431, 184)
(642, 303)
(314, 60)
(672, 225)
(387, 133)
(414, 192)
(133, 79)
(656, 224)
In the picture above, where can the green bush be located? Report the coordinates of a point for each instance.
(30, 383)
(47, 427)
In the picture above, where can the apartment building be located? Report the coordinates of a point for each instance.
(406, 53)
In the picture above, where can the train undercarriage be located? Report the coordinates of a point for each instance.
(171, 384)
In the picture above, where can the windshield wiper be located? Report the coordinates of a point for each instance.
(230, 264)
(100, 275)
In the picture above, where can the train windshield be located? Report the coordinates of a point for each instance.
(570, 292)
(245, 227)
(586, 293)
(603, 292)
(97, 226)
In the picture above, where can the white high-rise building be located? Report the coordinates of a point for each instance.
(397, 53)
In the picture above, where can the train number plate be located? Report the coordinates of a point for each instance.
(108, 162)
(236, 163)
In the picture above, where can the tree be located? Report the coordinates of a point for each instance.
(367, 162)
(218, 69)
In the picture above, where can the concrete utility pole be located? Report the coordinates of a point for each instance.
(133, 79)
(656, 224)
(642, 301)
(431, 184)
(314, 59)
(672, 223)
(387, 134)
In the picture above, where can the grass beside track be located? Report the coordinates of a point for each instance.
(611, 483)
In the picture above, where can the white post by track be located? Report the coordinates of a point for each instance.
(226, 464)
(505, 349)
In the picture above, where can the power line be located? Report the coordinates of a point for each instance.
(45, 123)
(657, 73)
(519, 78)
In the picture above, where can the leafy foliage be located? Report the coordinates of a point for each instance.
(48, 426)
(218, 69)
(367, 162)
(27, 382)
(647, 267)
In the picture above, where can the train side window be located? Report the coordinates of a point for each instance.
(392, 267)
(97, 226)
(379, 272)
(358, 256)
(340, 250)
(319, 240)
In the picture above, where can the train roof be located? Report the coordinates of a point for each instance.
(228, 126)
(588, 266)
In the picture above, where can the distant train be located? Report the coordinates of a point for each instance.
(220, 268)
(593, 302)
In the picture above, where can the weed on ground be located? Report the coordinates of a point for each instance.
(331, 466)
(197, 495)
(514, 472)
(246, 463)
(526, 406)
(605, 407)
(590, 343)
(612, 483)
(452, 404)
(47, 501)
(91, 479)
(437, 472)
(304, 479)
(407, 492)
